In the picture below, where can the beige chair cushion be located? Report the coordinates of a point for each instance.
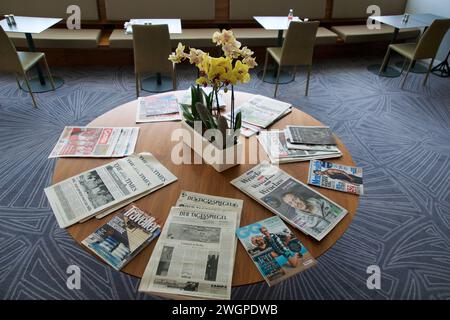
(255, 37)
(323, 36)
(348, 9)
(60, 38)
(49, 8)
(201, 38)
(181, 9)
(360, 33)
(29, 59)
(245, 10)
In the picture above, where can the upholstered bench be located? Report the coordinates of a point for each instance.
(259, 37)
(198, 38)
(360, 33)
(60, 38)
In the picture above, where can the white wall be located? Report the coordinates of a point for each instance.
(438, 7)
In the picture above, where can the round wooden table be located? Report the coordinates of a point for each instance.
(202, 178)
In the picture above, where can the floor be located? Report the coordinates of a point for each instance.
(401, 138)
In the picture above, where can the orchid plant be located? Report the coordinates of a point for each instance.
(219, 72)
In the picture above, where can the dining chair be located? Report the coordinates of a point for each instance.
(297, 49)
(19, 62)
(151, 46)
(425, 48)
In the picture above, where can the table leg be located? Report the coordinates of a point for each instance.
(387, 70)
(32, 48)
(157, 83)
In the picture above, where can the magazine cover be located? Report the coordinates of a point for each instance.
(275, 250)
(310, 135)
(123, 237)
(290, 199)
(335, 176)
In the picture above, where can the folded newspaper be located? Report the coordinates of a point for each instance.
(335, 176)
(318, 135)
(275, 145)
(102, 190)
(95, 142)
(275, 250)
(290, 199)
(119, 240)
(260, 112)
(194, 256)
(158, 108)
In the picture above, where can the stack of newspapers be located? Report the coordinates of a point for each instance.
(97, 142)
(259, 113)
(105, 189)
(299, 143)
(194, 255)
(158, 108)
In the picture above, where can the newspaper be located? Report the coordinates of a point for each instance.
(310, 135)
(275, 250)
(102, 189)
(159, 108)
(311, 147)
(95, 142)
(261, 111)
(275, 145)
(335, 176)
(296, 203)
(194, 255)
(158, 169)
(185, 98)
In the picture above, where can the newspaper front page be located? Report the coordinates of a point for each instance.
(293, 201)
(336, 176)
(194, 256)
(105, 188)
(158, 108)
(95, 142)
(158, 169)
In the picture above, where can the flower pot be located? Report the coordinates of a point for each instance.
(219, 159)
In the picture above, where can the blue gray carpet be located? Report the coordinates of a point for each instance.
(400, 137)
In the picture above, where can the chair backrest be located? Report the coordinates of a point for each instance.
(298, 46)
(151, 45)
(9, 60)
(430, 41)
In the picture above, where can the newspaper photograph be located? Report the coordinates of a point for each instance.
(185, 98)
(102, 142)
(295, 202)
(274, 144)
(100, 189)
(158, 108)
(194, 255)
(262, 111)
(158, 169)
(336, 176)
(276, 251)
(310, 135)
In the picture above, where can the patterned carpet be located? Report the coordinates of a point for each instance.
(400, 137)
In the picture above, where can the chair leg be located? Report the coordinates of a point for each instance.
(276, 81)
(307, 80)
(138, 84)
(17, 81)
(404, 65)
(265, 65)
(407, 72)
(428, 72)
(385, 60)
(294, 72)
(49, 74)
(29, 89)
